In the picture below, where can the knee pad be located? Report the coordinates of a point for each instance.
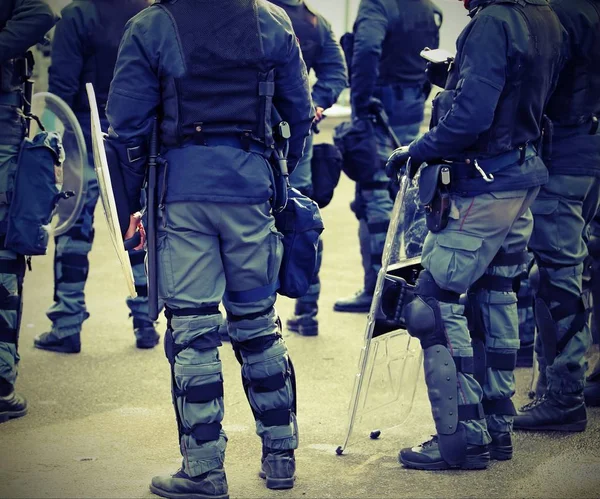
(11, 302)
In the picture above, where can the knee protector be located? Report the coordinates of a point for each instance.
(11, 302)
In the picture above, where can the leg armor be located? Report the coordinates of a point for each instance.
(196, 386)
(495, 358)
(11, 301)
(268, 377)
(422, 315)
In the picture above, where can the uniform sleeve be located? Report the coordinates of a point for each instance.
(30, 21)
(64, 74)
(331, 71)
(133, 99)
(369, 33)
(292, 99)
(483, 63)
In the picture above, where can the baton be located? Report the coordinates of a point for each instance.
(151, 210)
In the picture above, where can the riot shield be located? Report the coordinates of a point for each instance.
(56, 116)
(106, 191)
(390, 360)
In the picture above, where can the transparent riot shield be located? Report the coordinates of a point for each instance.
(391, 360)
(106, 191)
(56, 116)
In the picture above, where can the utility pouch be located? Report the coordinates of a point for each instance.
(37, 190)
(434, 195)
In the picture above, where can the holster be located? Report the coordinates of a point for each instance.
(435, 197)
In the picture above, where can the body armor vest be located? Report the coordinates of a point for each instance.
(577, 96)
(415, 26)
(227, 87)
(306, 27)
(535, 58)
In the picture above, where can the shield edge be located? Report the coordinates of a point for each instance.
(106, 195)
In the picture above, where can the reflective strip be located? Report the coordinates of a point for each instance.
(465, 365)
(253, 295)
(202, 393)
(470, 412)
(204, 432)
(501, 361)
(276, 417)
(499, 407)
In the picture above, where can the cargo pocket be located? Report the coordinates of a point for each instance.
(545, 234)
(275, 257)
(454, 260)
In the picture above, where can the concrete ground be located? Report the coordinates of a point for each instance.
(101, 424)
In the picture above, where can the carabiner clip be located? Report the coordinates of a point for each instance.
(488, 178)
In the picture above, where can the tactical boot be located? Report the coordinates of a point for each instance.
(427, 456)
(211, 485)
(278, 467)
(592, 388)
(145, 335)
(12, 405)
(501, 448)
(360, 302)
(51, 342)
(304, 322)
(553, 412)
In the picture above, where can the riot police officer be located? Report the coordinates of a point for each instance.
(562, 213)
(388, 38)
(84, 49)
(23, 23)
(212, 72)
(507, 65)
(321, 52)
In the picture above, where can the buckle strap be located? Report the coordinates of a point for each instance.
(204, 432)
(141, 290)
(137, 258)
(276, 417)
(187, 312)
(465, 365)
(13, 267)
(499, 407)
(253, 295)
(248, 317)
(426, 286)
(501, 361)
(200, 394)
(8, 335)
(268, 384)
(470, 412)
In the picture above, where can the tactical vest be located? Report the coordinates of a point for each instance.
(577, 96)
(531, 75)
(415, 25)
(306, 27)
(228, 86)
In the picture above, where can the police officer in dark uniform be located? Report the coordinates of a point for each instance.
(321, 52)
(388, 38)
(84, 49)
(23, 23)
(212, 72)
(562, 214)
(486, 128)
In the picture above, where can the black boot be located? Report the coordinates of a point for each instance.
(12, 405)
(553, 412)
(52, 343)
(304, 322)
(145, 335)
(501, 448)
(359, 303)
(278, 468)
(211, 485)
(427, 456)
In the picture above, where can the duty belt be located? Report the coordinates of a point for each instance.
(232, 140)
(471, 168)
(588, 128)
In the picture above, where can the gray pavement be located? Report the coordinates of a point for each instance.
(101, 423)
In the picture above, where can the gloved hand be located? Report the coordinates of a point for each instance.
(396, 163)
(375, 105)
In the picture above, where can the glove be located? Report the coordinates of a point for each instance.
(396, 164)
(375, 106)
